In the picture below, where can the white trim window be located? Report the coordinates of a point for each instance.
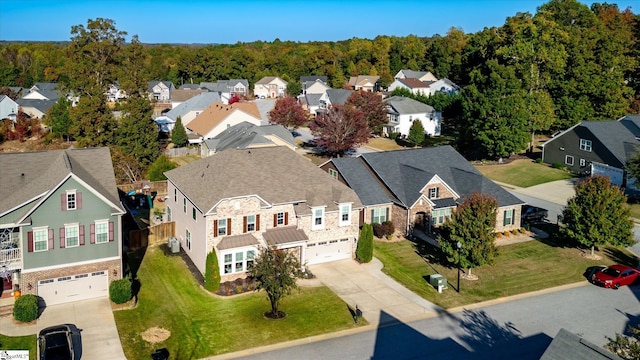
(378, 215)
(40, 239)
(184, 205)
(318, 218)
(71, 236)
(72, 200)
(583, 162)
(280, 218)
(585, 145)
(222, 227)
(440, 216)
(237, 261)
(345, 215)
(333, 173)
(509, 218)
(187, 236)
(251, 223)
(193, 213)
(102, 232)
(568, 160)
(434, 192)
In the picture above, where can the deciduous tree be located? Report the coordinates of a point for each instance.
(288, 112)
(58, 118)
(340, 129)
(597, 214)
(372, 108)
(472, 224)
(276, 272)
(159, 167)
(627, 347)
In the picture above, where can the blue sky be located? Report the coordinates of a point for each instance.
(229, 21)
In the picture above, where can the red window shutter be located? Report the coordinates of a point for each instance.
(62, 234)
(258, 222)
(63, 202)
(244, 224)
(215, 228)
(30, 241)
(81, 234)
(78, 200)
(275, 220)
(111, 232)
(286, 218)
(50, 239)
(228, 226)
(92, 233)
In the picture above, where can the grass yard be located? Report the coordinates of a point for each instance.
(183, 160)
(383, 144)
(19, 343)
(523, 173)
(520, 268)
(204, 325)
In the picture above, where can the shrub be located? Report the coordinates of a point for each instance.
(557, 165)
(212, 273)
(383, 230)
(364, 251)
(539, 160)
(120, 290)
(25, 308)
(394, 135)
(523, 230)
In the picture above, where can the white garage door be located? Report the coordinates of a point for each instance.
(325, 251)
(73, 288)
(616, 175)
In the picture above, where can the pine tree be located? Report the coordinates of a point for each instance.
(416, 133)
(179, 134)
(212, 272)
(364, 251)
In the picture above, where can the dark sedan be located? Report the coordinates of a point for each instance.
(615, 276)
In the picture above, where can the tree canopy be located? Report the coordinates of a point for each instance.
(288, 112)
(339, 129)
(372, 108)
(597, 214)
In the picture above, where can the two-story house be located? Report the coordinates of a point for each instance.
(219, 117)
(270, 87)
(161, 90)
(241, 200)
(363, 82)
(419, 188)
(60, 223)
(403, 111)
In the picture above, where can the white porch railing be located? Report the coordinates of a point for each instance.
(10, 258)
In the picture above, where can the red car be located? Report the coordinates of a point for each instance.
(615, 276)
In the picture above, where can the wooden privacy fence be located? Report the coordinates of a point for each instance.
(153, 235)
(159, 187)
(182, 151)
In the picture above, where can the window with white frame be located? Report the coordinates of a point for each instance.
(238, 261)
(222, 227)
(333, 173)
(251, 223)
(318, 219)
(168, 214)
(345, 214)
(508, 217)
(40, 239)
(102, 232)
(378, 216)
(72, 202)
(187, 236)
(568, 160)
(585, 145)
(434, 192)
(280, 218)
(193, 212)
(583, 162)
(71, 235)
(184, 205)
(440, 216)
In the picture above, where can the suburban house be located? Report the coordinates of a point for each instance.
(60, 223)
(444, 86)
(218, 117)
(419, 188)
(419, 75)
(8, 108)
(114, 93)
(415, 86)
(227, 88)
(179, 96)
(160, 90)
(596, 147)
(403, 111)
(363, 82)
(313, 102)
(314, 87)
(270, 87)
(312, 78)
(248, 136)
(43, 91)
(35, 108)
(186, 111)
(267, 196)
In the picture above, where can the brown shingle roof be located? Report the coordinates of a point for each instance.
(413, 83)
(181, 95)
(284, 235)
(237, 241)
(217, 112)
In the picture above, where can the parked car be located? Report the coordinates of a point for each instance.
(533, 214)
(615, 276)
(55, 343)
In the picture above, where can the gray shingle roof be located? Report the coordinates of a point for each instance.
(338, 96)
(569, 346)
(613, 135)
(405, 105)
(313, 99)
(198, 102)
(29, 174)
(312, 78)
(264, 106)
(42, 105)
(406, 172)
(414, 74)
(245, 134)
(632, 123)
(275, 174)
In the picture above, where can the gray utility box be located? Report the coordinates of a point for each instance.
(438, 281)
(174, 245)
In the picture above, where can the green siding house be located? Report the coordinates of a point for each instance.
(60, 224)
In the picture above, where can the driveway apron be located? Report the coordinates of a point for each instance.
(365, 286)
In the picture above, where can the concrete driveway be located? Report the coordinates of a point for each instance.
(365, 286)
(100, 339)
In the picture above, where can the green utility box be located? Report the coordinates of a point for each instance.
(438, 281)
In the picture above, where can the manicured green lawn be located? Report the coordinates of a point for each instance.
(204, 325)
(19, 343)
(520, 268)
(523, 173)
